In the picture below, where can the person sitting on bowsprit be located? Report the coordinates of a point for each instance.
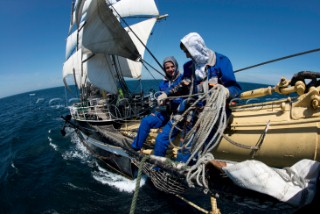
(161, 117)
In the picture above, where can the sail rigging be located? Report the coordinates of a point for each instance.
(99, 49)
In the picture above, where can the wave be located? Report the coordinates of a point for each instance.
(114, 180)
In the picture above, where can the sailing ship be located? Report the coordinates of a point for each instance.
(106, 45)
(103, 49)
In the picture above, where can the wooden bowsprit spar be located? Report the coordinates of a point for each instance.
(278, 59)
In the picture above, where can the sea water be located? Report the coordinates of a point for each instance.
(42, 171)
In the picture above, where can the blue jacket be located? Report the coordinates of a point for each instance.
(167, 85)
(222, 69)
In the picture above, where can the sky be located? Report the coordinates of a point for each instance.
(248, 32)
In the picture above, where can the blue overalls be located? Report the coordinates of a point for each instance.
(159, 118)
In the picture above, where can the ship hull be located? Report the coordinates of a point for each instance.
(106, 149)
(279, 135)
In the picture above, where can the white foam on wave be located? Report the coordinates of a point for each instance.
(51, 211)
(69, 132)
(14, 167)
(119, 182)
(100, 174)
(72, 186)
(54, 146)
(79, 151)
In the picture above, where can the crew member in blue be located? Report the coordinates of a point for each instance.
(160, 118)
(205, 68)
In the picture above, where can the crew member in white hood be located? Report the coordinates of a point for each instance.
(205, 68)
(208, 65)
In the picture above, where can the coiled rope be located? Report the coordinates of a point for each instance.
(212, 118)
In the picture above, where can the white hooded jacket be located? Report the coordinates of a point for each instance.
(200, 53)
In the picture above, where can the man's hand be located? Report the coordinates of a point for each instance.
(161, 98)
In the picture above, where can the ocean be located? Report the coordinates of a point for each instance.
(42, 171)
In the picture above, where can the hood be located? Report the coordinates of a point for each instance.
(196, 47)
(174, 61)
(200, 53)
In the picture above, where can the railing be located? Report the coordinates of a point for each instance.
(92, 110)
(102, 110)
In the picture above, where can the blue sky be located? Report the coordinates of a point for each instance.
(33, 37)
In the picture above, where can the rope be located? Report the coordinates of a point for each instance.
(278, 59)
(239, 144)
(213, 114)
(136, 192)
(256, 147)
(197, 172)
(215, 209)
(212, 118)
(192, 204)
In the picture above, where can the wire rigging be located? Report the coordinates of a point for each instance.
(278, 59)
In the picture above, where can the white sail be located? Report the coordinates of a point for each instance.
(73, 67)
(71, 43)
(133, 69)
(103, 33)
(97, 75)
(72, 20)
(80, 11)
(127, 8)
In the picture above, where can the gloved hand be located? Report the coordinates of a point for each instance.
(161, 98)
(200, 88)
(177, 117)
(213, 81)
